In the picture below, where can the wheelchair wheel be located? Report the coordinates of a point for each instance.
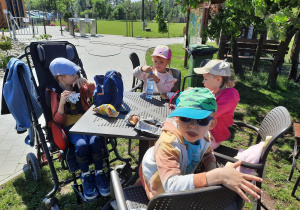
(34, 166)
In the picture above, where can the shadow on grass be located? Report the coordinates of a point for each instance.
(33, 193)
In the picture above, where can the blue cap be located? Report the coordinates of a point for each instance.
(60, 66)
(195, 103)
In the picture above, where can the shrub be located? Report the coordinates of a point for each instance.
(77, 30)
(52, 24)
(67, 15)
(5, 43)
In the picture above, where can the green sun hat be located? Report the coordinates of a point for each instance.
(195, 103)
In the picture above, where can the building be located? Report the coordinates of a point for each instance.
(15, 7)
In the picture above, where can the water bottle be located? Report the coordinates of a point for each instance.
(150, 86)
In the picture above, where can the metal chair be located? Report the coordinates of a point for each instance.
(213, 197)
(275, 124)
(136, 84)
(176, 73)
(295, 156)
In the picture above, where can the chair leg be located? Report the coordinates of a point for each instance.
(295, 186)
(129, 147)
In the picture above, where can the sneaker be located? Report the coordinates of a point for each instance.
(102, 183)
(88, 184)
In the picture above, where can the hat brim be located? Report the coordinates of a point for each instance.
(190, 113)
(201, 70)
(162, 56)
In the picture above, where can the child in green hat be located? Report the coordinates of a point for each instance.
(184, 144)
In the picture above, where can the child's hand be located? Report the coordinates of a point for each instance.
(154, 77)
(237, 181)
(147, 69)
(63, 97)
(80, 81)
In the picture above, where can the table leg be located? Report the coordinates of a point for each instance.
(144, 145)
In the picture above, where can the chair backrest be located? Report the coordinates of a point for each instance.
(275, 124)
(213, 197)
(135, 62)
(176, 73)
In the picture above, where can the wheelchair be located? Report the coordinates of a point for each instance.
(38, 56)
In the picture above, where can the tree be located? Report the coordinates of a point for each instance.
(162, 26)
(282, 17)
(119, 12)
(79, 6)
(100, 8)
(294, 57)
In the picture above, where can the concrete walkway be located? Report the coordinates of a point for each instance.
(98, 54)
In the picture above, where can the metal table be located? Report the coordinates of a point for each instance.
(94, 124)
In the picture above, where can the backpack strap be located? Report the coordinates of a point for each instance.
(117, 79)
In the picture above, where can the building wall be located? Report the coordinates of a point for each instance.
(16, 7)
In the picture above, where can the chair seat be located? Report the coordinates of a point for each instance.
(136, 197)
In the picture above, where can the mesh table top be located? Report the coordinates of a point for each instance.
(136, 103)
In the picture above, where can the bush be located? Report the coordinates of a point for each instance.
(5, 43)
(77, 29)
(52, 24)
(67, 15)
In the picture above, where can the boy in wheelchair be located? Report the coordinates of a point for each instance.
(184, 143)
(66, 112)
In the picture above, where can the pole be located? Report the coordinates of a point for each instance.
(143, 23)
(61, 31)
(187, 39)
(132, 26)
(44, 26)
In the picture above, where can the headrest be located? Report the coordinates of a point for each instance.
(70, 52)
(41, 52)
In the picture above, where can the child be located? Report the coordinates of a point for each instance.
(184, 143)
(164, 81)
(66, 114)
(217, 78)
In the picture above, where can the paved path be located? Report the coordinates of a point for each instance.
(98, 54)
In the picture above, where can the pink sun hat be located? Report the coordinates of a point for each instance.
(162, 51)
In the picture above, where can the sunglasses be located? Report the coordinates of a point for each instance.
(201, 122)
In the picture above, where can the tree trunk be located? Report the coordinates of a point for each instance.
(222, 46)
(279, 57)
(295, 56)
(259, 48)
(238, 68)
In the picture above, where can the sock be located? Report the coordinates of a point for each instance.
(98, 171)
(86, 173)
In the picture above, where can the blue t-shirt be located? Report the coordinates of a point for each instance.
(193, 155)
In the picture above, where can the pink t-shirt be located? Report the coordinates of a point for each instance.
(227, 101)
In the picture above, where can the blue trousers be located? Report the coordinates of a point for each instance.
(86, 145)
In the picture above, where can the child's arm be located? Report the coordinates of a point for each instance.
(86, 88)
(168, 166)
(234, 180)
(225, 102)
(166, 86)
(142, 72)
(58, 106)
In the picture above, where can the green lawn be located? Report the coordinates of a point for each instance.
(119, 28)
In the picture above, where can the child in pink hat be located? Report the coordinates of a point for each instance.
(164, 81)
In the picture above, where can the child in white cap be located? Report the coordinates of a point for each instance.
(66, 113)
(217, 78)
(164, 81)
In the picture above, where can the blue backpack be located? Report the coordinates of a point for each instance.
(109, 89)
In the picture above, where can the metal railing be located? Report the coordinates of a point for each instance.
(22, 25)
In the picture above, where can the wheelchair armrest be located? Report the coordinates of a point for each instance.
(233, 160)
(116, 190)
(241, 124)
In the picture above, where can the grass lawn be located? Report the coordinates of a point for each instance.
(119, 28)
(256, 101)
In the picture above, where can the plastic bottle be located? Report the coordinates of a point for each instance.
(149, 89)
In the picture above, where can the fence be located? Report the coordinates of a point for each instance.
(22, 25)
